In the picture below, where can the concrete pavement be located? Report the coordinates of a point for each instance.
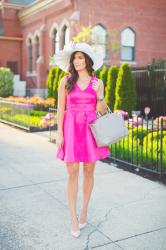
(126, 211)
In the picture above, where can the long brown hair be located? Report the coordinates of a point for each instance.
(73, 74)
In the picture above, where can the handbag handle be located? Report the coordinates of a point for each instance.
(108, 111)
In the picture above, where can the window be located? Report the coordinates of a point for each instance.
(128, 45)
(37, 48)
(65, 36)
(98, 39)
(1, 26)
(30, 58)
(55, 41)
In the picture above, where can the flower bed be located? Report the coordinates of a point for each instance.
(38, 103)
(22, 114)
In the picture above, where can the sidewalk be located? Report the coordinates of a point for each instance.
(126, 211)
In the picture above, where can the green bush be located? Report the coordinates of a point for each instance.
(123, 149)
(139, 133)
(37, 113)
(6, 82)
(103, 75)
(138, 150)
(110, 86)
(50, 81)
(152, 147)
(97, 73)
(125, 93)
(53, 80)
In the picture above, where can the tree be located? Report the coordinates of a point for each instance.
(50, 81)
(103, 75)
(85, 35)
(125, 93)
(110, 86)
(97, 73)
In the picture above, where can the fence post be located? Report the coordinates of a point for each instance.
(161, 149)
(28, 113)
(49, 110)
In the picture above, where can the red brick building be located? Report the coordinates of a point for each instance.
(124, 30)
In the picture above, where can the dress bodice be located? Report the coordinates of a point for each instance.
(82, 100)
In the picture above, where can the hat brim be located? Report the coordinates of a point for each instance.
(62, 59)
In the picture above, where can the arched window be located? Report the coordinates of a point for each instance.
(55, 41)
(30, 57)
(37, 48)
(98, 39)
(1, 26)
(128, 45)
(65, 36)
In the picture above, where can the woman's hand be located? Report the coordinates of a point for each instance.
(59, 139)
(96, 85)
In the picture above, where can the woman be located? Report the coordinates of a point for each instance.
(81, 94)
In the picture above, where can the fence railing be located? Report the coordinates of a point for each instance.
(52, 129)
(151, 90)
(144, 147)
(17, 114)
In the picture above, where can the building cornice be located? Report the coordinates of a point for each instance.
(12, 6)
(11, 38)
(37, 7)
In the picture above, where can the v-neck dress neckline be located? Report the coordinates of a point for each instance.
(86, 86)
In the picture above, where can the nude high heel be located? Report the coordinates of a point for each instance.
(77, 233)
(82, 225)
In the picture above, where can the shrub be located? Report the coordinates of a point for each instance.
(103, 75)
(125, 93)
(6, 82)
(110, 86)
(139, 148)
(152, 147)
(97, 73)
(53, 80)
(50, 81)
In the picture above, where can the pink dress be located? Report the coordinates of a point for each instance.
(79, 143)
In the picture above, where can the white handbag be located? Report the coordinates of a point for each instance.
(108, 128)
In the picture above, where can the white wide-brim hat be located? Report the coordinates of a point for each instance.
(62, 58)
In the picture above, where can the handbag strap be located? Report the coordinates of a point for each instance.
(108, 111)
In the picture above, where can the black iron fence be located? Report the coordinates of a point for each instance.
(52, 129)
(23, 116)
(151, 89)
(17, 114)
(144, 147)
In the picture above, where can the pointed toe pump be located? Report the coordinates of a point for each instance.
(81, 226)
(75, 234)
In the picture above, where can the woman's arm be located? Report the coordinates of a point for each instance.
(60, 110)
(101, 104)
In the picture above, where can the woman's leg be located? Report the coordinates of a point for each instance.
(88, 183)
(72, 190)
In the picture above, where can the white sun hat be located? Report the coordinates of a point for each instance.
(62, 58)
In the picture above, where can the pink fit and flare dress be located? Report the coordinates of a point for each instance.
(79, 143)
